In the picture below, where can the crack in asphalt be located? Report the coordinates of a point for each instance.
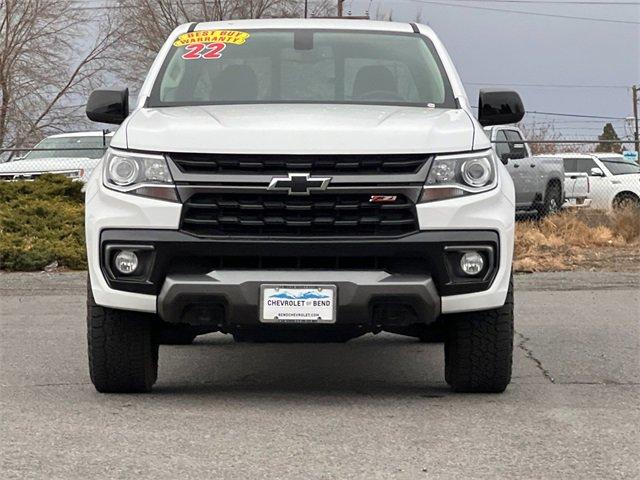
(522, 345)
(605, 383)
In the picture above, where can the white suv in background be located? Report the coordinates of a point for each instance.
(614, 180)
(73, 155)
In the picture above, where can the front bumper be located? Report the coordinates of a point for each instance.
(368, 300)
(216, 281)
(117, 217)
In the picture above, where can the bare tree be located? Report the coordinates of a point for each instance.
(418, 17)
(382, 15)
(145, 24)
(47, 66)
(545, 131)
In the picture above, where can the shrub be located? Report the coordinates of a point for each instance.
(561, 241)
(42, 222)
(626, 221)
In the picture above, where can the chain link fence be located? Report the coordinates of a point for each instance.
(593, 222)
(598, 180)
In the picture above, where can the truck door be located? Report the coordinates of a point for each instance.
(505, 151)
(600, 184)
(570, 170)
(529, 175)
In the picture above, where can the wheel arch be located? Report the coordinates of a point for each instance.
(625, 194)
(554, 182)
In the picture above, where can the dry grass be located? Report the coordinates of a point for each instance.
(567, 241)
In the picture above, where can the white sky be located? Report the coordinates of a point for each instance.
(505, 48)
(495, 47)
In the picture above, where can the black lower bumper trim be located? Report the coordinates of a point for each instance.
(427, 253)
(227, 299)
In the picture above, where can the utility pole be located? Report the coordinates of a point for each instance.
(306, 7)
(636, 135)
(340, 2)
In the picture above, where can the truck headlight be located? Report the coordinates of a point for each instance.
(143, 174)
(453, 176)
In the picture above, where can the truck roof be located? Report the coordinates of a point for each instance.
(309, 23)
(96, 133)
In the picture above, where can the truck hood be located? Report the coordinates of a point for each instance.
(631, 181)
(297, 128)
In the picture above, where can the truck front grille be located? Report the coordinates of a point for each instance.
(211, 214)
(197, 163)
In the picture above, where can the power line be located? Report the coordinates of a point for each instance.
(580, 129)
(124, 7)
(576, 115)
(574, 122)
(556, 114)
(554, 2)
(522, 12)
(504, 10)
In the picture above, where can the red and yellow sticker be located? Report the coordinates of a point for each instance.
(211, 36)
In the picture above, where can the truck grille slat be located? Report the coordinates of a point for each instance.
(392, 264)
(212, 214)
(200, 163)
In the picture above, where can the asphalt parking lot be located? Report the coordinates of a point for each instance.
(376, 407)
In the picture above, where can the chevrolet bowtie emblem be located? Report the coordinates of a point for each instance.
(299, 183)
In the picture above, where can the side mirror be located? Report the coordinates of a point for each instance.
(596, 172)
(108, 106)
(499, 107)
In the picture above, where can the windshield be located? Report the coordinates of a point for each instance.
(55, 148)
(301, 66)
(620, 166)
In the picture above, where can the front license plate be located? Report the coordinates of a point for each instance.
(298, 303)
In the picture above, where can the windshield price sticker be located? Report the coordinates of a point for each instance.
(209, 51)
(212, 36)
(208, 44)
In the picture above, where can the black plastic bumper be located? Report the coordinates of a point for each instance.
(215, 282)
(229, 299)
(434, 254)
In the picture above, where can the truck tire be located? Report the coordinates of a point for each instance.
(552, 201)
(479, 349)
(122, 347)
(625, 200)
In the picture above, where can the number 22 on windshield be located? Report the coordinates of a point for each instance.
(211, 51)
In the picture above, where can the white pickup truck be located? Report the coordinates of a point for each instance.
(540, 181)
(300, 180)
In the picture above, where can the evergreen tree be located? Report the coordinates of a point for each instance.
(609, 133)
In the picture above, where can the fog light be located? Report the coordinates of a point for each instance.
(126, 262)
(472, 263)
